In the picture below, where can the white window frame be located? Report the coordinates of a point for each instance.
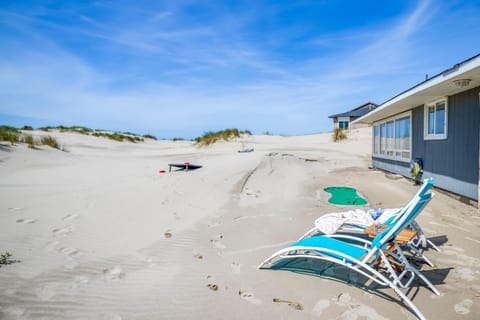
(393, 151)
(344, 119)
(435, 136)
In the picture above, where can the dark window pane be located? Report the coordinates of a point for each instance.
(440, 119)
(431, 120)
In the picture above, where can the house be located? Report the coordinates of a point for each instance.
(437, 124)
(343, 120)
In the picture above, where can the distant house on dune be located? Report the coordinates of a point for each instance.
(437, 125)
(343, 120)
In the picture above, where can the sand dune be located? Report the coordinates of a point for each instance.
(101, 234)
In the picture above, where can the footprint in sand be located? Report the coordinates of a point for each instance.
(46, 292)
(215, 223)
(217, 242)
(463, 307)
(71, 216)
(294, 305)
(246, 295)
(235, 267)
(69, 251)
(212, 286)
(78, 281)
(343, 299)
(319, 307)
(62, 232)
(26, 221)
(467, 274)
(355, 309)
(197, 254)
(115, 273)
(150, 262)
(50, 246)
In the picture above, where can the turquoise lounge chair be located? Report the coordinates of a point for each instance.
(380, 260)
(414, 245)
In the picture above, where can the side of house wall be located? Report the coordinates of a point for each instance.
(453, 162)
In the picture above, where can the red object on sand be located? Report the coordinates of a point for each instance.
(186, 162)
(162, 171)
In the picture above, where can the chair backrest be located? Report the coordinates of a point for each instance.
(426, 186)
(413, 210)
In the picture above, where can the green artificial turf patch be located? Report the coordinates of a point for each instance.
(345, 196)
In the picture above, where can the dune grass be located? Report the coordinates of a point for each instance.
(14, 135)
(211, 137)
(6, 258)
(29, 140)
(339, 134)
(9, 134)
(76, 129)
(118, 136)
(149, 136)
(50, 141)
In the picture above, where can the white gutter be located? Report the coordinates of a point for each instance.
(442, 77)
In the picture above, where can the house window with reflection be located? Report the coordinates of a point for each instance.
(392, 138)
(435, 124)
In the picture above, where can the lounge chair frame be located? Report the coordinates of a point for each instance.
(419, 241)
(378, 260)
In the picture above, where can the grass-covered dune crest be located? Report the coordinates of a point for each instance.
(24, 134)
(211, 137)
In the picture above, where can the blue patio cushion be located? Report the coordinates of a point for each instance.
(323, 242)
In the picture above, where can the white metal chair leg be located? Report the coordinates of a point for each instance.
(433, 245)
(419, 253)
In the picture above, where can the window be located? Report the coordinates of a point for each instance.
(343, 124)
(392, 138)
(376, 139)
(435, 126)
(402, 138)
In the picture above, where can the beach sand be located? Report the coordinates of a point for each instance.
(102, 234)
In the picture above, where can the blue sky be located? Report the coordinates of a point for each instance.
(180, 68)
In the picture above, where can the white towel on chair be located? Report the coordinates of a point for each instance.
(330, 223)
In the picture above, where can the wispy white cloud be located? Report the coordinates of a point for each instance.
(179, 79)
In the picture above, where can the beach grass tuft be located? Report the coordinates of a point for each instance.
(29, 140)
(149, 136)
(211, 137)
(76, 129)
(6, 258)
(118, 136)
(339, 134)
(9, 134)
(50, 141)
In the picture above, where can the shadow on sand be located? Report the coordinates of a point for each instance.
(338, 273)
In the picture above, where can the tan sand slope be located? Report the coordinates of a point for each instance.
(101, 234)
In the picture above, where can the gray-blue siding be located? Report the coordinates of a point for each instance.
(453, 162)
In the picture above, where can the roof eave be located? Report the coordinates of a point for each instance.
(401, 102)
